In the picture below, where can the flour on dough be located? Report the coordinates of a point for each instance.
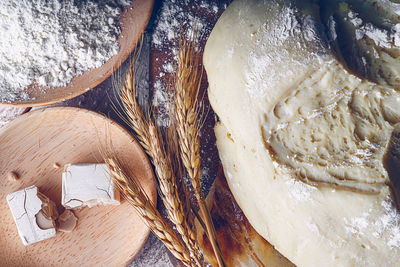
(308, 147)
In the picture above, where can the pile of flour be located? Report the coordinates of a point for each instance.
(48, 42)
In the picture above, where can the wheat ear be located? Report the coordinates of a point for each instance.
(170, 194)
(135, 195)
(176, 161)
(187, 84)
(136, 119)
(152, 142)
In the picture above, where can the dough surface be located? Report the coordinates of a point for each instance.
(369, 36)
(309, 149)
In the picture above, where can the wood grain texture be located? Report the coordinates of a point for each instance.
(241, 245)
(133, 21)
(30, 145)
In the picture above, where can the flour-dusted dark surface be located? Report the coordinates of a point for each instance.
(157, 62)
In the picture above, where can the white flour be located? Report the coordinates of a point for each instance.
(273, 45)
(7, 114)
(384, 226)
(48, 42)
(166, 36)
(153, 254)
(300, 191)
(170, 20)
(381, 37)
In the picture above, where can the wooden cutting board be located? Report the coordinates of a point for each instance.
(133, 21)
(31, 145)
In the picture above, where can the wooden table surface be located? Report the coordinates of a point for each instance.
(160, 55)
(155, 58)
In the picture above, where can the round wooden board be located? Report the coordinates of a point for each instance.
(30, 145)
(133, 21)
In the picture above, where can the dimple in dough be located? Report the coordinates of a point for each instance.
(308, 148)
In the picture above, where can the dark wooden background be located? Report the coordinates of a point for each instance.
(153, 59)
(158, 56)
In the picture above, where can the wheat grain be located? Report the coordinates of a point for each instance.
(152, 142)
(132, 109)
(136, 196)
(170, 196)
(183, 192)
(186, 113)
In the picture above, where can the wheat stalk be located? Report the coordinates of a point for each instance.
(170, 195)
(174, 153)
(127, 91)
(137, 197)
(187, 81)
(152, 142)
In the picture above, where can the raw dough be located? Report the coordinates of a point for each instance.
(308, 148)
(240, 244)
(366, 33)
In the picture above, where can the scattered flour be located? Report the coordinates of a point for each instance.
(300, 191)
(388, 36)
(153, 254)
(48, 42)
(172, 16)
(386, 225)
(9, 113)
(381, 37)
(357, 224)
(390, 223)
(161, 101)
(261, 70)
